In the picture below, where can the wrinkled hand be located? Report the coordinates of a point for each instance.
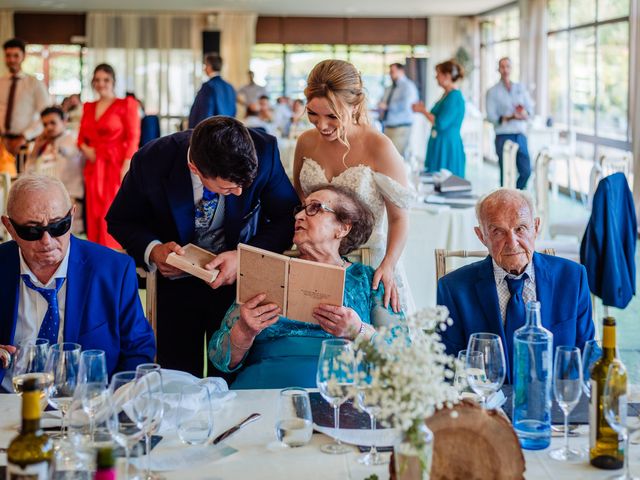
(5, 354)
(338, 321)
(385, 274)
(159, 255)
(255, 318)
(89, 152)
(227, 264)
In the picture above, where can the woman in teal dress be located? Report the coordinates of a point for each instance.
(445, 149)
(271, 351)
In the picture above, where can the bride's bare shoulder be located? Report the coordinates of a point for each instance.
(307, 140)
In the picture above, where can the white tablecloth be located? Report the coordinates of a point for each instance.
(258, 455)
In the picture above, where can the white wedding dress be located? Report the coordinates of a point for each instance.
(373, 188)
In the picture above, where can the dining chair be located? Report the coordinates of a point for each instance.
(509, 169)
(150, 298)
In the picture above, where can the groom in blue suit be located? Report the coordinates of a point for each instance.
(216, 186)
(490, 295)
(55, 286)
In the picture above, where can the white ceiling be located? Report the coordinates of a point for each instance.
(336, 8)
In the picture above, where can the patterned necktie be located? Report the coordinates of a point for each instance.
(516, 315)
(206, 209)
(51, 322)
(10, 103)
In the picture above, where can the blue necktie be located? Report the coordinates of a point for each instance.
(516, 315)
(51, 322)
(206, 209)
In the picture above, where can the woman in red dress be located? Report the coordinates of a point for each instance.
(109, 136)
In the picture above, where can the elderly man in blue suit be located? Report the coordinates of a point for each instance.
(215, 187)
(58, 287)
(490, 295)
(215, 97)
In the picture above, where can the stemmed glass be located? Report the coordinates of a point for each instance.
(64, 364)
(149, 407)
(592, 353)
(30, 362)
(616, 412)
(94, 397)
(460, 381)
(335, 376)
(120, 423)
(567, 388)
(367, 402)
(194, 418)
(486, 373)
(93, 367)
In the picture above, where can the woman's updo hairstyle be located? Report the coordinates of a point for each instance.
(453, 68)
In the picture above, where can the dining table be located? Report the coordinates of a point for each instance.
(253, 452)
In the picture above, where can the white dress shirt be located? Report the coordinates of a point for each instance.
(30, 99)
(502, 102)
(32, 306)
(528, 291)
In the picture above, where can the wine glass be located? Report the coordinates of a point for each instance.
(294, 425)
(335, 375)
(567, 388)
(616, 411)
(492, 364)
(148, 407)
(93, 367)
(63, 363)
(592, 353)
(194, 418)
(94, 397)
(460, 381)
(120, 423)
(368, 402)
(30, 362)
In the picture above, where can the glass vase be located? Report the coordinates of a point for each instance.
(414, 452)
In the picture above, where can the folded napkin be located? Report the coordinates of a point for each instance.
(181, 457)
(383, 437)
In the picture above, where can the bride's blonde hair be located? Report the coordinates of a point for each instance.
(341, 84)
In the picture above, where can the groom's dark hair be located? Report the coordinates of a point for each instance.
(221, 147)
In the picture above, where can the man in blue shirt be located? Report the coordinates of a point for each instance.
(508, 108)
(396, 114)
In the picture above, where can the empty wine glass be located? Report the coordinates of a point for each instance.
(615, 404)
(294, 426)
(149, 406)
(460, 381)
(94, 397)
(488, 374)
(567, 388)
(335, 376)
(93, 367)
(64, 364)
(592, 353)
(368, 402)
(194, 418)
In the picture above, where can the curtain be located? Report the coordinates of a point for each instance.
(533, 52)
(156, 56)
(237, 37)
(445, 37)
(6, 32)
(634, 103)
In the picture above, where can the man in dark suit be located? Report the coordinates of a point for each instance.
(217, 186)
(215, 97)
(490, 295)
(55, 286)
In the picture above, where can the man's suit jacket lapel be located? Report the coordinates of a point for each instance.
(79, 274)
(9, 294)
(179, 190)
(544, 288)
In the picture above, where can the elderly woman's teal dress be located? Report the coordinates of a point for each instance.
(286, 353)
(445, 149)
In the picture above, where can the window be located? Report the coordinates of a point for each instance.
(58, 66)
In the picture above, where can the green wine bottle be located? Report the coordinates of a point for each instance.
(30, 454)
(605, 448)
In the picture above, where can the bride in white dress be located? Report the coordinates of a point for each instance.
(344, 149)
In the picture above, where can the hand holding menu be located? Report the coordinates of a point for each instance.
(296, 286)
(193, 262)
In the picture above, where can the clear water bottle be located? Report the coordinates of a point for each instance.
(532, 374)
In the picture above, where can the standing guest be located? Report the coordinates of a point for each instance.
(215, 97)
(215, 186)
(445, 149)
(344, 149)
(22, 98)
(395, 108)
(56, 286)
(490, 295)
(108, 137)
(251, 92)
(508, 108)
(58, 145)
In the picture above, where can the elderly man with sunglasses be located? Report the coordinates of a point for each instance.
(58, 287)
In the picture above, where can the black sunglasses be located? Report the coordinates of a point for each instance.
(31, 233)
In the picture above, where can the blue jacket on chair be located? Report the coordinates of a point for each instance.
(102, 307)
(471, 296)
(609, 243)
(215, 97)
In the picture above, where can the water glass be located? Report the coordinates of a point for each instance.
(30, 363)
(334, 378)
(567, 388)
(93, 367)
(294, 425)
(494, 365)
(460, 381)
(592, 353)
(63, 363)
(617, 413)
(368, 402)
(194, 418)
(94, 397)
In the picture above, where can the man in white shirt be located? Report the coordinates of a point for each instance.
(22, 98)
(251, 92)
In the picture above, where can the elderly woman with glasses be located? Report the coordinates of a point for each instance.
(271, 351)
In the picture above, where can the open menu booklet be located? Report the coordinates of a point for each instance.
(193, 262)
(296, 286)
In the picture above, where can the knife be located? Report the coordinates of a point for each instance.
(227, 433)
